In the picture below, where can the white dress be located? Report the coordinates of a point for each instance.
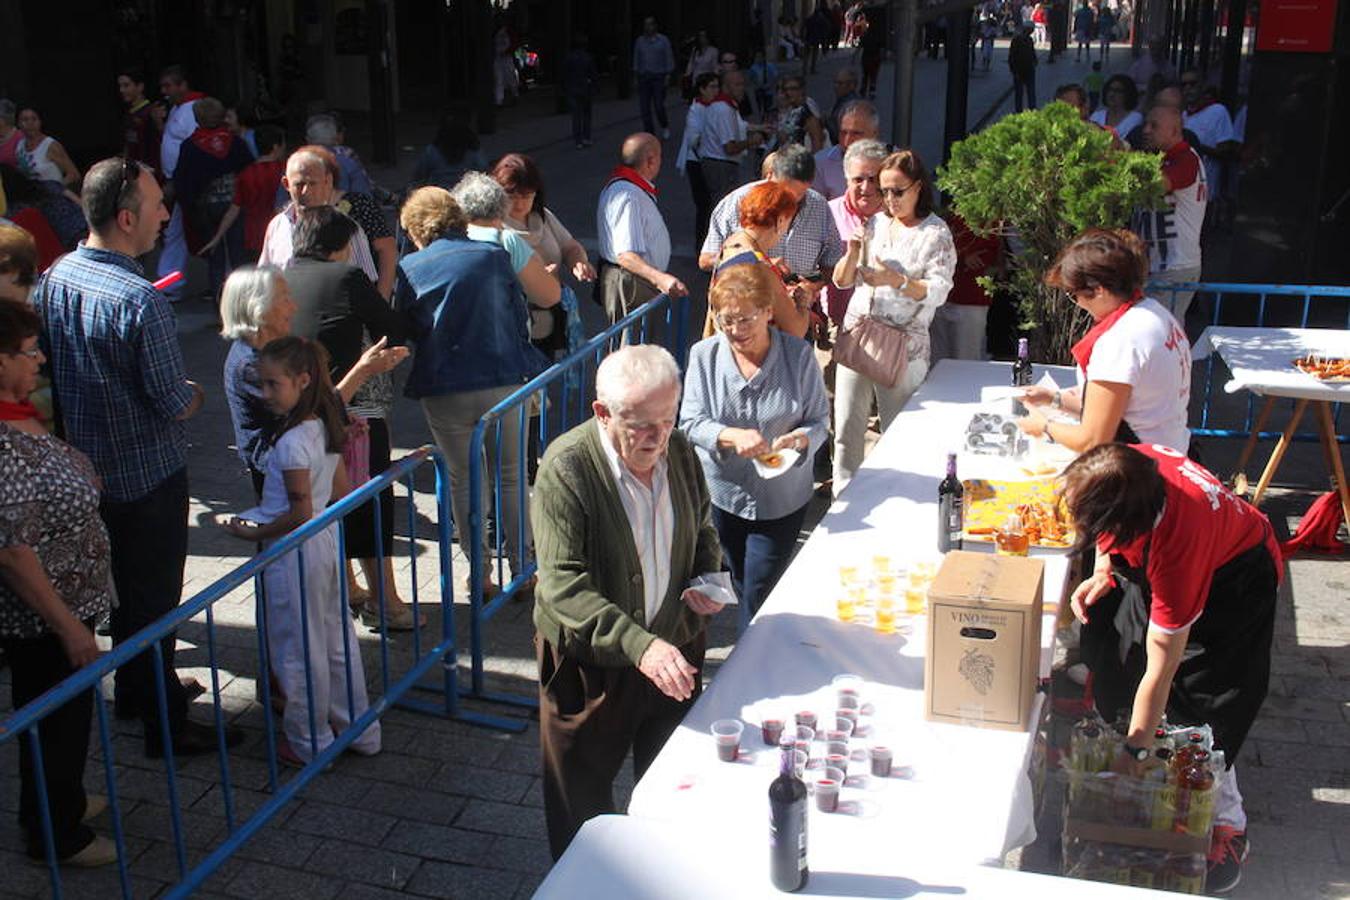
(319, 615)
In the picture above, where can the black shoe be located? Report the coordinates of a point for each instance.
(1227, 852)
(126, 709)
(193, 739)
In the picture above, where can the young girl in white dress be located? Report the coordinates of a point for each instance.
(304, 474)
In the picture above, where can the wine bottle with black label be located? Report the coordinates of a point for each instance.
(787, 826)
(1021, 376)
(950, 508)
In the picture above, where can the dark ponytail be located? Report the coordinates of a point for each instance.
(296, 356)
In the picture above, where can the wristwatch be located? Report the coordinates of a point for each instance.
(1057, 401)
(1139, 753)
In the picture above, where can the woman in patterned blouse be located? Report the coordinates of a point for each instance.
(54, 582)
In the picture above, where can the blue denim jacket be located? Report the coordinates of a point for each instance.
(467, 320)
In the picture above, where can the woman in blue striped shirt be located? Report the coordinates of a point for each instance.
(751, 391)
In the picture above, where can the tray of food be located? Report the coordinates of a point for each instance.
(1325, 368)
(988, 504)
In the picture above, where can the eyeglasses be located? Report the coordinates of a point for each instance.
(892, 193)
(729, 323)
(31, 352)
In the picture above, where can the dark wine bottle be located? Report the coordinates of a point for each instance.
(787, 827)
(949, 508)
(1021, 376)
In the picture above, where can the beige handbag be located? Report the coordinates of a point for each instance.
(874, 348)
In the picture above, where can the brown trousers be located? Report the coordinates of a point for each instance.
(620, 291)
(589, 718)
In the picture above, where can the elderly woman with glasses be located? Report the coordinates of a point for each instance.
(54, 582)
(903, 260)
(1117, 112)
(1134, 363)
(751, 393)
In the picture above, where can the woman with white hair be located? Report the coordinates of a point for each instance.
(484, 203)
(256, 307)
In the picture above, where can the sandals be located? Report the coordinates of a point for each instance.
(400, 618)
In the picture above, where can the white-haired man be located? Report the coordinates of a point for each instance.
(311, 180)
(622, 525)
(858, 121)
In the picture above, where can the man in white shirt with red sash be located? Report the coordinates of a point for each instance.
(1172, 231)
(633, 240)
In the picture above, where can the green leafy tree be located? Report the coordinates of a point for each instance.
(1039, 178)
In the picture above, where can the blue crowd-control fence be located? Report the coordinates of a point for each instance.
(393, 686)
(560, 398)
(1252, 305)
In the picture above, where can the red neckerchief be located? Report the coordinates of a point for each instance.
(191, 96)
(1203, 104)
(721, 97)
(1082, 351)
(629, 174)
(17, 412)
(215, 141)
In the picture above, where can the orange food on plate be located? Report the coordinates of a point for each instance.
(1326, 368)
(772, 460)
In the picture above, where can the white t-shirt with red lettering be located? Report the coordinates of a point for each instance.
(1172, 231)
(1148, 350)
(1203, 526)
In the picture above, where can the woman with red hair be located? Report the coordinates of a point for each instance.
(766, 212)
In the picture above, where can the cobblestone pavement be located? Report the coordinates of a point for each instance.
(451, 810)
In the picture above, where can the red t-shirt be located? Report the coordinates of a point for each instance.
(255, 193)
(1203, 526)
(975, 256)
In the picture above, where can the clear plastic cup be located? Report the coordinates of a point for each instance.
(771, 730)
(846, 725)
(881, 759)
(827, 794)
(806, 718)
(847, 684)
(727, 736)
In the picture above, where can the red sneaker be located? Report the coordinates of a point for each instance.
(1228, 850)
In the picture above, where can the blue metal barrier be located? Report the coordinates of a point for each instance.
(567, 380)
(1289, 306)
(23, 724)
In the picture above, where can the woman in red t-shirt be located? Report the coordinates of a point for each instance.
(1179, 611)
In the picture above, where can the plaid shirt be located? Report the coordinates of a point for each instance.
(117, 369)
(811, 244)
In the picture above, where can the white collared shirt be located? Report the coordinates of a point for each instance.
(651, 515)
(722, 124)
(628, 221)
(277, 247)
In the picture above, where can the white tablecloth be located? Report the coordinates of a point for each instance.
(637, 859)
(1262, 359)
(969, 798)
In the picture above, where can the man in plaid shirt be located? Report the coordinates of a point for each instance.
(123, 394)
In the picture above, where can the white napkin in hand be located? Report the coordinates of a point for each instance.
(716, 586)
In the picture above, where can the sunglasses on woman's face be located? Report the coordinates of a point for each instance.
(891, 193)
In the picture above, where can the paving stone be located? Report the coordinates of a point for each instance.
(326, 820)
(1285, 755)
(277, 883)
(1315, 880)
(344, 787)
(469, 882)
(147, 820)
(1327, 734)
(152, 786)
(396, 767)
(1287, 842)
(160, 861)
(1282, 706)
(439, 842)
(522, 758)
(280, 846)
(422, 804)
(370, 892)
(488, 784)
(352, 862)
(520, 855)
(535, 795)
(502, 818)
(455, 748)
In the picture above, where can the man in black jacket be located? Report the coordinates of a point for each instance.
(1022, 63)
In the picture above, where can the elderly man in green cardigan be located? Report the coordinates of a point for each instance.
(622, 529)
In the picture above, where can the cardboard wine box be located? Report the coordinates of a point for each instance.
(984, 640)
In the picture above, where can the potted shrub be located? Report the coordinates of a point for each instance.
(1039, 178)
